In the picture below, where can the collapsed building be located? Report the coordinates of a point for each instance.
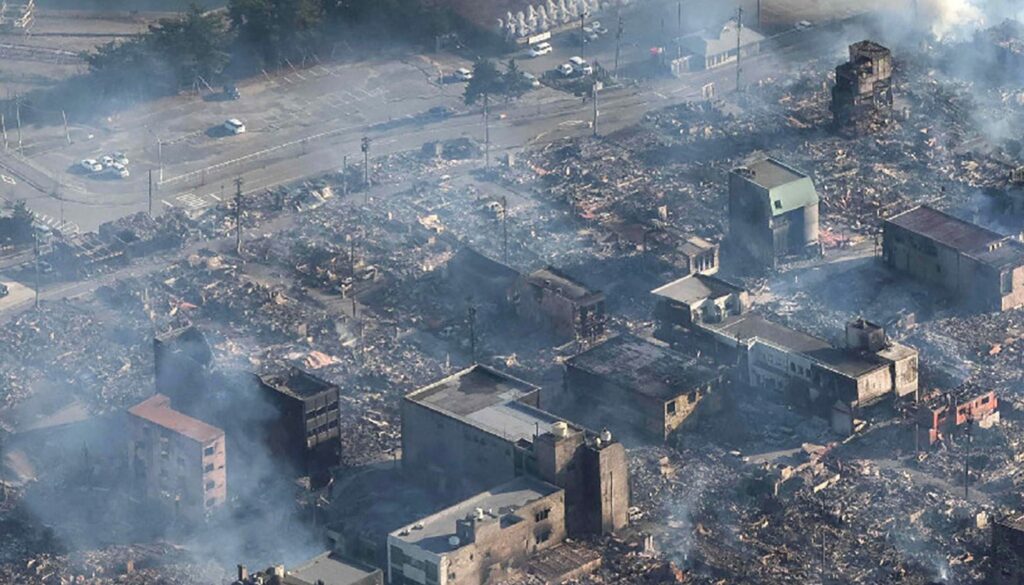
(773, 212)
(1007, 551)
(554, 300)
(177, 459)
(938, 415)
(976, 265)
(631, 385)
(836, 383)
(862, 96)
(480, 427)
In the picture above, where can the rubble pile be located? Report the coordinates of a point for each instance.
(130, 565)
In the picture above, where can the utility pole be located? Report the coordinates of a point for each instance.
(679, 16)
(504, 229)
(487, 131)
(967, 457)
(67, 134)
(595, 88)
(3, 127)
(618, 45)
(17, 114)
(583, 35)
(344, 175)
(365, 146)
(471, 314)
(35, 243)
(739, 33)
(151, 192)
(238, 216)
(160, 158)
(758, 13)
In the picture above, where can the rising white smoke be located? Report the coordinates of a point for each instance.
(953, 18)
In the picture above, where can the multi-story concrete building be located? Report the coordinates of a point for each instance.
(982, 268)
(324, 569)
(694, 299)
(631, 384)
(472, 542)
(555, 301)
(773, 212)
(862, 96)
(701, 255)
(480, 427)
(177, 459)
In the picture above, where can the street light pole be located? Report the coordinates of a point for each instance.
(739, 32)
(365, 146)
(487, 131)
(238, 216)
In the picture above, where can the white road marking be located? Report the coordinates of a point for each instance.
(167, 203)
(8, 180)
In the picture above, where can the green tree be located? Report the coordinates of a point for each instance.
(486, 81)
(514, 81)
(196, 45)
(275, 30)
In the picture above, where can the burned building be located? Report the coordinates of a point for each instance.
(182, 361)
(632, 384)
(936, 416)
(862, 96)
(306, 429)
(556, 301)
(472, 542)
(695, 299)
(324, 569)
(480, 427)
(1007, 551)
(976, 265)
(773, 212)
(177, 459)
(701, 255)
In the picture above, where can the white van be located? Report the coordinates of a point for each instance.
(540, 49)
(566, 69)
(234, 126)
(580, 65)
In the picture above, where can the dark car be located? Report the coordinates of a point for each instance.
(4, 291)
(231, 92)
(440, 113)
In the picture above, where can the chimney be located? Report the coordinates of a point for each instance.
(243, 573)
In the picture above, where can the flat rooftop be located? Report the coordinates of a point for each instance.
(644, 367)
(554, 280)
(749, 326)
(297, 383)
(329, 568)
(945, 229)
(513, 421)
(157, 410)
(434, 531)
(695, 287)
(470, 390)
(1009, 255)
(771, 173)
(850, 363)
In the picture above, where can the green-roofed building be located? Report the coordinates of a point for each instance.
(773, 211)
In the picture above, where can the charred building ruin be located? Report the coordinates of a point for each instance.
(1007, 551)
(773, 212)
(480, 427)
(976, 265)
(862, 96)
(937, 416)
(635, 385)
(555, 300)
(177, 459)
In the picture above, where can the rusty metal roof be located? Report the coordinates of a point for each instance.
(157, 410)
(945, 229)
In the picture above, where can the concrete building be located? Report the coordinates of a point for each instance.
(716, 47)
(324, 569)
(1007, 551)
(472, 542)
(305, 431)
(177, 459)
(701, 255)
(182, 360)
(480, 427)
(557, 302)
(694, 299)
(773, 212)
(978, 266)
(862, 96)
(635, 385)
(937, 416)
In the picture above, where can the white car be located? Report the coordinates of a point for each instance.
(580, 65)
(566, 69)
(463, 74)
(539, 49)
(106, 161)
(120, 158)
(119, 169)
(804, 24)
(92, 165)
(234, 126)
(531, 79)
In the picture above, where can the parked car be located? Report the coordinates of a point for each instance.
(92, 165)
(566, 69)
(4, 291)
(106, 161)
(531, 79)
(579, 64)
(231, 92)
(120, 158)
(804, 24)
(463, 74)
(119, 170)
(440, 113)
(539, 49)
(234, 126)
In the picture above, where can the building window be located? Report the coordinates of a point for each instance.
(543, 536)
(211, 484)
(211, 502)
(542, 515)
(208, 468)
(692, 396)
(670, 407)
(209, 451)
(778, 204)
